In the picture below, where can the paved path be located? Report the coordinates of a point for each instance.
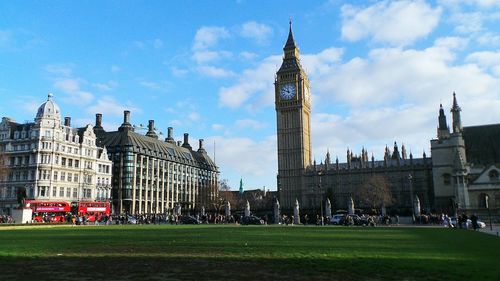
(495, 231)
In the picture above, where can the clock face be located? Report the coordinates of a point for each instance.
(288, 91)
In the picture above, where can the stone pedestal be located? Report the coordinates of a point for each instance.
(21, 216)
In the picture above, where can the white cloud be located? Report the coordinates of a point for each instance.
(73, 92)
(108, 105)
(260, 156)
(215, 72)
(394, 22)
(63, 69)
(249, 123)
(152, 85)
(209, 56)
(157, 43)
(217, 127)
(257, 31)
(106, 86)
(489, 38)
(248, 55)
(209, 36)
(194, 116)
(252, 84)
(468, 22)
(179, 72)
(115, 68)
(486, 60)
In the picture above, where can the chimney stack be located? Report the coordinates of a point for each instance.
(151, 130)
(186, 141)
(126, 126)
(67, 121)
(170, 135)
(98, 120)
(201, 149)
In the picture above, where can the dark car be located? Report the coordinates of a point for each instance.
(189, 220)
(252, 220)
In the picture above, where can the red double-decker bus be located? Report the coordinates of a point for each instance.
(93, 210)
(47, 211)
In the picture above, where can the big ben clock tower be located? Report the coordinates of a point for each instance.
(293, 112)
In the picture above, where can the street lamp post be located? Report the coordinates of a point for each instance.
(410, 180)
(486, 199)
(321, 197)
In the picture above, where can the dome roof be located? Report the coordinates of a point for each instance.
(49, 109)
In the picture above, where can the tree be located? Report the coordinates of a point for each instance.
(375, 192)
(219, 194)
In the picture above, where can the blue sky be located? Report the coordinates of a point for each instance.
(378, 70)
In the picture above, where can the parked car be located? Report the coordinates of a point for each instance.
(252, 220)
(336, 219)
(480, 224)
(131, 220)
(189, 220)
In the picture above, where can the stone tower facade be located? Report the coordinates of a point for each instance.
(449, 164)
(293, 112)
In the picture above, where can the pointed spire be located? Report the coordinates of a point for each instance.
(290, 42)
(455, 110)
(443, 130)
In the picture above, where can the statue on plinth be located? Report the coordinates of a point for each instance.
(21, 197)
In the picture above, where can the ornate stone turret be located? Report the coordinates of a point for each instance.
(455, 110)
(443, 132)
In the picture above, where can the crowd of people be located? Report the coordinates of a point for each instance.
(6, 219)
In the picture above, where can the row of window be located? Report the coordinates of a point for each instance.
(61, 192)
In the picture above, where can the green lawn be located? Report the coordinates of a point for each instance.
(247, 253)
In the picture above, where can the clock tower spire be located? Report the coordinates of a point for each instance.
(293, 112)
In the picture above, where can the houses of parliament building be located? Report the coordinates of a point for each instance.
(462, 172)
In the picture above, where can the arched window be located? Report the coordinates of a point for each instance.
(481, 200)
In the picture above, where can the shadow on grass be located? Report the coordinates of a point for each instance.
(173, 268)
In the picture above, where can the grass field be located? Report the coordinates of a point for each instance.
(247, 253)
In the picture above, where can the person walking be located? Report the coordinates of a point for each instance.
(474, 219)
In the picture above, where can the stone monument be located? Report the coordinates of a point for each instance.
(328, 209)
(276, 206)
(23, 212)
(296, 212)
(247, 209)
(416, 206)
(350, 207)
(227, 209)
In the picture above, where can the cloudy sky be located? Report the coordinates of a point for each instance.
(378, 70)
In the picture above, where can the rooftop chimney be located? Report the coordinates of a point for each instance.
(67, 121)
(170, 135)
(126, 126)
(201, 149)
(151, 130)
(186, 141)
(98, 124)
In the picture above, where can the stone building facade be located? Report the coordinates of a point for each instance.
(461, 173)
(51, 160)
(154, 176)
